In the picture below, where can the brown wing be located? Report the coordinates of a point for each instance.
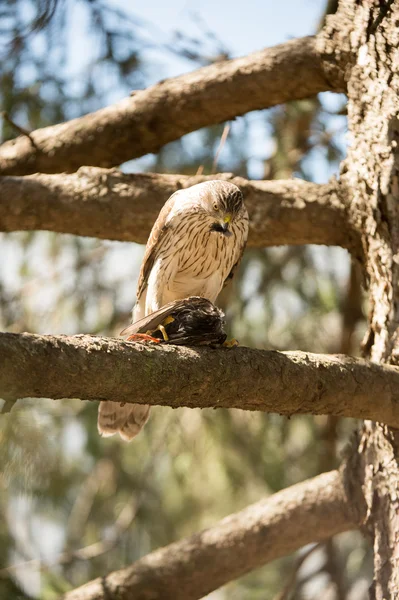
(151, 322)
(155, 238)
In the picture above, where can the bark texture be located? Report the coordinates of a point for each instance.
(94, 368)
(109, 204)
(189, 569)
(165, 112)
(363, 38)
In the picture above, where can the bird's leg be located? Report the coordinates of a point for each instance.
(148, 337)
(162, 329)
(142, 337)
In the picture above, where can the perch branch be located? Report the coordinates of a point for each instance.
(95, 368)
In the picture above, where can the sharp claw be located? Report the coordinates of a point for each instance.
(233, 343)
(168, 320)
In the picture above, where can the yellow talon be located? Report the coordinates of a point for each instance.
(167, 321)
(163, 331)
(230, 343)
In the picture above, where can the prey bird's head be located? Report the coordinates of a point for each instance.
(220, 202)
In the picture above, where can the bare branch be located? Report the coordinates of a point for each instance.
(18, 128)
(95, 368)
(170, 109)
(109, 204)
(193, 567)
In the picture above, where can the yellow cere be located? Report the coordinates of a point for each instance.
(227, 219)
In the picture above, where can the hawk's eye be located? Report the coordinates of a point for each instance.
(215, 206)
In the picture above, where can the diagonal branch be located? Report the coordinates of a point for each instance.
(95, 368)
(191, 568)
(110, 204)
(172, 108)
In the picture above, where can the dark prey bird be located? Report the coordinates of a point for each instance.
(193, 321)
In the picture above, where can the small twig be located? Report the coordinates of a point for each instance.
(289, 586)
(21, 130)
(221, 145)
(200, 170)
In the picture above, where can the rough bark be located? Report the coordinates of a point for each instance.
(189, 569)
(367, 35)
(109, 204)
(94, 368)
(165, 112)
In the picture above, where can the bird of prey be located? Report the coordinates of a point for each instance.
(194, 247)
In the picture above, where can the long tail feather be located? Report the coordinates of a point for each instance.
(127, 420)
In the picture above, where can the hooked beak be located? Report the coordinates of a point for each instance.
(223, 226)
(226, 230)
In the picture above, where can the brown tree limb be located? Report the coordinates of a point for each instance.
(191, 568)
(172, 108)
(95, 368)
(109, 204)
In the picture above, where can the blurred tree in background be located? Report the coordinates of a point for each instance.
(73, 505)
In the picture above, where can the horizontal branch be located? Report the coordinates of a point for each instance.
(112, 205)
(95, 368)
(172, 108)
(189, 569)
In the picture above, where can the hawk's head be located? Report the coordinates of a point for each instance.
(220, 202)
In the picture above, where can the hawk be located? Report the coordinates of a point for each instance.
(194, 247)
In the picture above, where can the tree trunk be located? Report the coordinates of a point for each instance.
(364, 38)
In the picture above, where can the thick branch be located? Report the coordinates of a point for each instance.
(95, 368)
(165, 112)
(365, 38)
(189, 569)
(109, 204)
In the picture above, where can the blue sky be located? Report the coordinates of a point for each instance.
(244, 26)
(241, 26)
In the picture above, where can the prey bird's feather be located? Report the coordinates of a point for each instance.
(151, 322)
